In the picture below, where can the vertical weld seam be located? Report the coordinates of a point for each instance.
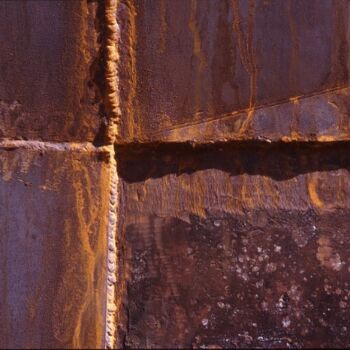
(111, 307)
(111, 72)
(112, 103)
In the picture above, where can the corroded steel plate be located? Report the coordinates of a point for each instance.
(53, 231)
(235, 246)
(206, 70)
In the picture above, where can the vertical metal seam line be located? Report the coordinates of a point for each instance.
(112, 268)
(112, 36)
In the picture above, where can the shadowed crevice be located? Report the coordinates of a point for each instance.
(279, 161)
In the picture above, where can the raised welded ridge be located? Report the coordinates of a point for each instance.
(112, 105)
(8, 144)
(111, 306)
(112, 34)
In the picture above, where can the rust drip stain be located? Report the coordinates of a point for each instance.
(111, 71)
(79, 269)
(198, 203)
(247, 54)
(312, 190)
(197, 45)
(295, 48)
(341, 196)
(198, 53)
(246, 193)
(84, 228)
(131, 45)
(270, 191)
(163, 26)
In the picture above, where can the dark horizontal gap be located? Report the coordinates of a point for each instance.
(278, 160)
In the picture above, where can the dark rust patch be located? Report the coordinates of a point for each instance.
(235, 245)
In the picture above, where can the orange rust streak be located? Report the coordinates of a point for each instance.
(131, 44)
(247, 54)
(163, 26)
(197, 51)
(197, 45)
(312, 189)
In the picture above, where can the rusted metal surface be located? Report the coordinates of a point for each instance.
(240, 243)
(235, 245)
(320, 117)
(186, 63)
(53, 250)
(47, 65)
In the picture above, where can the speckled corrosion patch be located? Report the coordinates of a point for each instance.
(241, 245)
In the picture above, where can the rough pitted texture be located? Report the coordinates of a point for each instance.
(187, 62)
(236, 246)
(53, 249)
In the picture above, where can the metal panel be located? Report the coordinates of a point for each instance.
(47, 69)
(186, 63)
(235, 246)
(53, 231)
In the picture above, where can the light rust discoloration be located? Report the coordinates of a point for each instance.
(48, 90)
(53, 248)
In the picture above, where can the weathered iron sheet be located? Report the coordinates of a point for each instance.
(235, 245)
(185, 64)
(47, 69)
(53, 230)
